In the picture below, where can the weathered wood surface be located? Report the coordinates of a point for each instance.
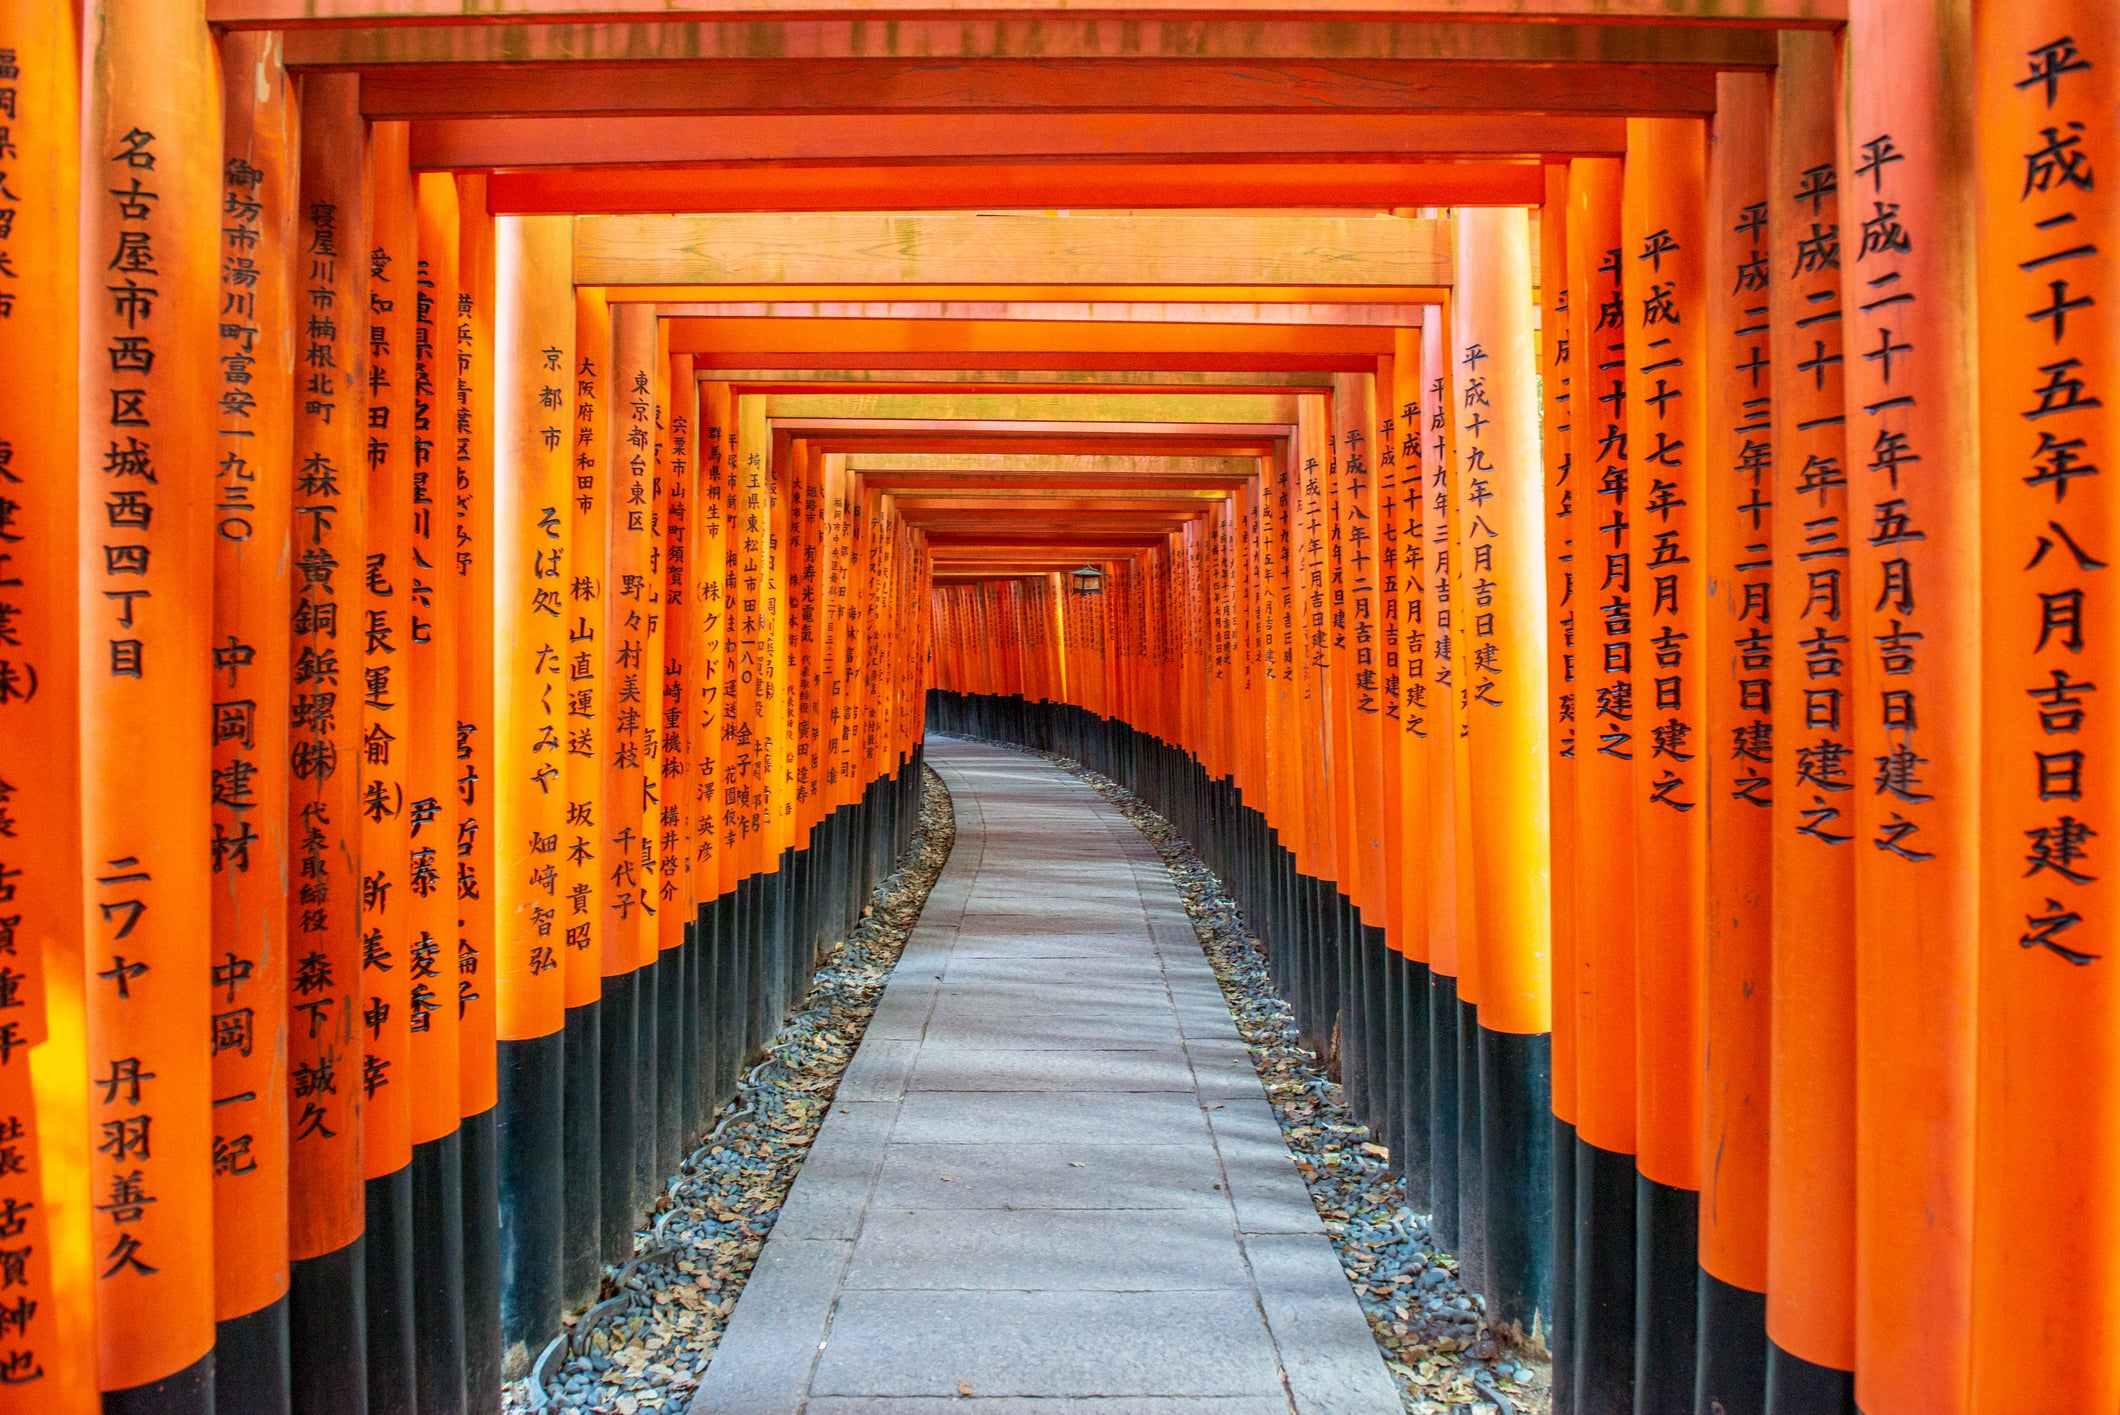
(296, 14)
(645, 141)
(1004, 36)
(1019, 85)
(764, 187)
(956, 248)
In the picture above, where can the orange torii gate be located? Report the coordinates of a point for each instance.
(611, 590)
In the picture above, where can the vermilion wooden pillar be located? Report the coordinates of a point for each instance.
(385, 601)
(1557, 384)
(641, 816)
(627, 721)
(327, 1316)
(1606, 743)
(1811, 1106)
(2046, 1256)
(150, 150)
(1501, 626)
(1737, 484)
(434, 624)
(1664, 242)
(584, 888)
(251, 661)
(671, 818)
(533, 362)
(50, 1357)
(1446, 938)
(477, 997)
(1403, 499)
(1907, 260)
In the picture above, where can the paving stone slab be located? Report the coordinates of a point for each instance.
(1080, 1176)
(1047, 1117)
(976, 1404)
(1091, 1250)
(1048, 1344)
(944, 1068)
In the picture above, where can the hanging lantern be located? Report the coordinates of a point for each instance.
(1088, 580)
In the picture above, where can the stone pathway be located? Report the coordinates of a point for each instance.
(1051, 1172)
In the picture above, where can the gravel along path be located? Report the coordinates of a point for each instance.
(644, 1346)
(1431, 1329)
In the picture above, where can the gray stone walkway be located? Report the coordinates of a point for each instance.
(1051, 1174)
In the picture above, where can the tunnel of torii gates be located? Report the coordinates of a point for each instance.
(1593, 516)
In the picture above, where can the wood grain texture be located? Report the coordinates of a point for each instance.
(1004, 36)
(642, 143)
(1037, 85)
(935, 248)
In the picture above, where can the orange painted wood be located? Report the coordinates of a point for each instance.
(1737, 471)
(1035, 85)
(146, 400)
(1606, 739)
(1907, 260)
(437, 615)
(1402, 493)
(606, 191)
(643, 145)
(1500, 624)
(1811, 1177)
(584, 876)
(387, 585)
(2046, 1259)
(644, 816)
(1357, 682)
(533, 362)
(627, 608)
(1663, 240)
(1447, 907)
(1454, 619)
(675, 894)
(330, 451)
(50, 1356)
(1557, 368)
(302, 13)
(253, 512)
(472, 459)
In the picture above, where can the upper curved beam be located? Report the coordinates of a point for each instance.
(295, 14)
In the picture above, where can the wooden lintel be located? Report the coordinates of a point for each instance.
(1237, 413)
(794, 380)
(1013, 248)
(952, 464)
(1363, 314)
(1328, 181)
(794, 140)
(310, 14)
(1002, 36)
(773, 86)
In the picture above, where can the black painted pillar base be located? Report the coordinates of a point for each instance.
(251, 1370)
(389, 1281)
(1516, 1129)
(1666, 1294)
(1604, 1281)
(617, 1117)
(532, 1196)
(581, 1249)
(647, 1060)
(1797, 1387)
(1414, 1086)
(481, 1181)
(327, 1332)
(1562, 1338)
(186, 1392)
(669, 1067)
(438, 1295)
(1472, 1163)
(1732, 1375)
(1443, 1108)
